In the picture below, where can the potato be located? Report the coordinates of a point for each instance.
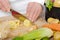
(14, 24)
(56, 3)
(57, 35)
(52, 20)
(27, 23)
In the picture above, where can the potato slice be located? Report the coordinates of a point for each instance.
(56, 3)
(57, 35)
(14, 24)
(52, 20)
(27, 23)
(56, 20)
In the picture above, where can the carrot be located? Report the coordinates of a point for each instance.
(53, 26)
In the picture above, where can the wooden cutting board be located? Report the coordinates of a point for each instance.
(39, 22)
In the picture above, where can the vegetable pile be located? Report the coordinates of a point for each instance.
(54, 24)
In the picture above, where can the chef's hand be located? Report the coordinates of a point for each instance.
(4, 5)
(52, 0)
(33, 11)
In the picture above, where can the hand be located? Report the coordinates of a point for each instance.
(4, 5)
(33, 11)
(52, 0)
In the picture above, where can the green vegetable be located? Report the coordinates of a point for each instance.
(39, 33)
(45, 38)
(49, 4)
(37, 39)
(18, 38)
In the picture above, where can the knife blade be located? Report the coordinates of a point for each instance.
(18, 15)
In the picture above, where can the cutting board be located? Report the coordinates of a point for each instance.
(39, 22)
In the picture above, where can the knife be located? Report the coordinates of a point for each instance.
(18, 15)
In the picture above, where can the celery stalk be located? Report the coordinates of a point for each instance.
(45, 38)
(39, 33)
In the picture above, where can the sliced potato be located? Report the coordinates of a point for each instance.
(57, 36)
(56, 3)
(56, 20)
(14, 24)
(52, 20)
(27, 23)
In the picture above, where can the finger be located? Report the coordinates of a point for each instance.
(29, 9)
(5, 4)
(36, 15)
(1, 7)
(37, 12)
(9, 7)
(32, 12)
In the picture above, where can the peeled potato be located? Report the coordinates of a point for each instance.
(57, 36)
(56, 20)
(56, 3)
(52, 20)
(27, 23)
